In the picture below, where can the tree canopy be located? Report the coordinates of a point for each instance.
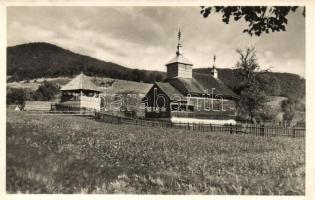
(252, 96)
(261, 19)
(16, 96)
(46, 91)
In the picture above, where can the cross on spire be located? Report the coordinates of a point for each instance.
(179, 45)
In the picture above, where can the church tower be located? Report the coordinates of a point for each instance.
(214, 71)
(179, 67)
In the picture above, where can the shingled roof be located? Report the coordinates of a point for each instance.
(201, 84)
(186, 85)
(80, 82)
(208, 82)
(170, 91)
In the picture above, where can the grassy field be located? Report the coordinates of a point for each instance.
(63, 154)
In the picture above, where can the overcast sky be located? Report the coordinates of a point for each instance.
(146, 37)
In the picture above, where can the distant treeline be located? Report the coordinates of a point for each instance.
(36, 60)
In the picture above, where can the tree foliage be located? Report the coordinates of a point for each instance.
(290, 107)
(261, 19)
(16, 96)
(252, 97)
(269, 84)
(46, 91)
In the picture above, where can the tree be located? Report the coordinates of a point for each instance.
(247, 67)
(290, 107)
(46, 91)
(261, 19)
(16, 96)
(252, 97)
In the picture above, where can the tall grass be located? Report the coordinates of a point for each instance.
(63, 154)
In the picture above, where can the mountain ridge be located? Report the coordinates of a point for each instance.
(41, 59)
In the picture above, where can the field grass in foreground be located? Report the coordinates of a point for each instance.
(63, 154)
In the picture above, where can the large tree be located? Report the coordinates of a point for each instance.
(252, 97)
(261, 19)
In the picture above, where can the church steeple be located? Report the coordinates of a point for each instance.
(179, 67)
(214, 71)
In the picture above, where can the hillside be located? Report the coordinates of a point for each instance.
(36, 60)
(274, 83)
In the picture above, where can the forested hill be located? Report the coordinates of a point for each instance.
(35, 60)
(274, 83)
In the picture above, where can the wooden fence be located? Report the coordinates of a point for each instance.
(251, 129)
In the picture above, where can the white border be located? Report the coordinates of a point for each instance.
(310, 84)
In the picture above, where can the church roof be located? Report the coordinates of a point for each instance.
(179, 59)
(208, 82)
(80, 82)
(186, 85)
(201, 84)
(170, 91)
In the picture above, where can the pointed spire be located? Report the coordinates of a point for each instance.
(214, 58)
(214, 71)
(179, 45)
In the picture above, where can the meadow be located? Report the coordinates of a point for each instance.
(67, 154)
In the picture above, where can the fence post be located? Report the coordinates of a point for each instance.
(261, 130)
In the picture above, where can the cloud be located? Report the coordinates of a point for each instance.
(146, 37)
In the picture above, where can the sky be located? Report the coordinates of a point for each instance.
(146, 37)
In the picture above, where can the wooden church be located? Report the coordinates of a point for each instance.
(186, 96)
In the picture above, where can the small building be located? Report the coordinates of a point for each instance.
(185, 96)
(80, 94)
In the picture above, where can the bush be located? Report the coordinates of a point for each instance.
(268, 113)
(46, 91)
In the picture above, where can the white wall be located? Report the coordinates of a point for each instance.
(90, 102)
(202, 121)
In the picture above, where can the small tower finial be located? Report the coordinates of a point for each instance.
(179, 45)
(214, 71)
(214, 58)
